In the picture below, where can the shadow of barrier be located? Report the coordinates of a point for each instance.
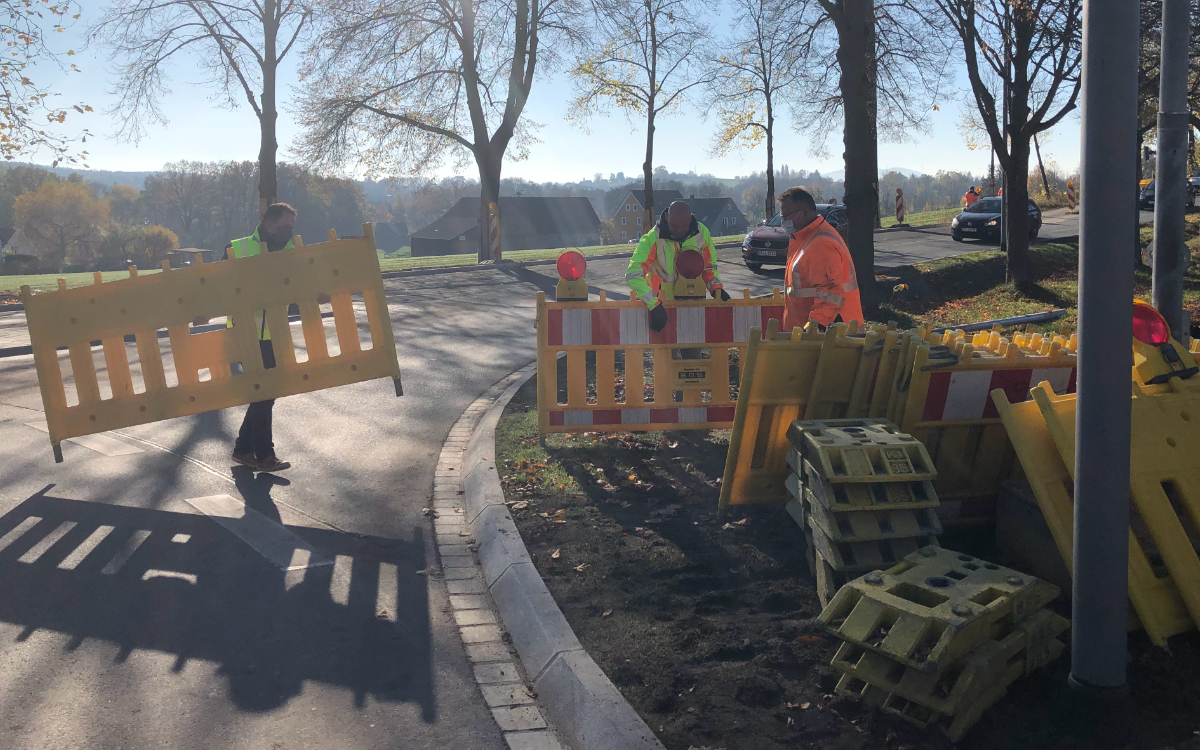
(932, 386)
(601, 368)
(217, 369)
(349, 615)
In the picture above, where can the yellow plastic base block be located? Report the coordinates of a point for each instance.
(933, 608)
(873, 526)
(865, 496)
(857, 557)
(862, 452)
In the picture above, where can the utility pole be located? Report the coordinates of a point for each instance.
(1100, 601)
(1171, 255)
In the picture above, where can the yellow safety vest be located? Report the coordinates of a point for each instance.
(244, 248)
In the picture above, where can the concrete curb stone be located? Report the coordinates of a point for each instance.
(578, 698)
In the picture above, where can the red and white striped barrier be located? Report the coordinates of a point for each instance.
(494, 231)
(899, 206)
(631, 325)
(1070, 195)
(964, 394)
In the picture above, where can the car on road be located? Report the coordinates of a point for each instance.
(767, 244)
(1146, 196)
(982, 220)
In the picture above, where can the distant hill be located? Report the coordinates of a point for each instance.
(103, 177)
(841, 173)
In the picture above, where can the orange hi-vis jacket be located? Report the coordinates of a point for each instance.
(821, 283)
(970, 197)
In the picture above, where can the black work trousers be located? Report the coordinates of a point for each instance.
(255, 434)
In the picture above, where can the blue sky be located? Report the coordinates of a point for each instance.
(199, 129)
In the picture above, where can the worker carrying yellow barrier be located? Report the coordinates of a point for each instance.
(259, 359)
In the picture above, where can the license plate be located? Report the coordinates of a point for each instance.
(970, 229)
(767, 253)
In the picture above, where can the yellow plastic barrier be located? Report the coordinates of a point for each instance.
(140, 306)
(1164, 474)
(801, 375)
(611, 359)
(1156, 600)
(939, 395)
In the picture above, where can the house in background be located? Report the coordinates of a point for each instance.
(390, 236)
(631, 213)
(720, 215)
(526, 224)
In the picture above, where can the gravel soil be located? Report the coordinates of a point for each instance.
(706, 624)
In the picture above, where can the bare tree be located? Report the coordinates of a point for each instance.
(889, 72)
(399, 85)
(752, 80)
(28, 113)
(239, 45)
(643, 57)
(1033, 49)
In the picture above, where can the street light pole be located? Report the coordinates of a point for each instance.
(1171, 255)
(1101, 549)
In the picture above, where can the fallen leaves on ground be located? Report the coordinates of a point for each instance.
(554, 554)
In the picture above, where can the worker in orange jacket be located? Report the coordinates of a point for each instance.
(821, 284)
(970, 197)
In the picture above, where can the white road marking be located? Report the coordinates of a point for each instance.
(271, 540)
(71, 561)
(131, 545)
(48, 541)
(155, 573)
(100, 443)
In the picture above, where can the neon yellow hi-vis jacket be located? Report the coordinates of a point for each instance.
(244, 248)
(651, 271)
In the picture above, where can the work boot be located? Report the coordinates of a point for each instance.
(272, 463)
(246, 459)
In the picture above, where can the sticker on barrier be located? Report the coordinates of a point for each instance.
(933, 608)
(1164, 475)
(802, 375)
(616, 374)
(1155, 599)
(215, 369)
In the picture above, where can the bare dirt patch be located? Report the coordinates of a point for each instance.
(706, 625)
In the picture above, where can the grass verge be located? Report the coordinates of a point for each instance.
(46, 282)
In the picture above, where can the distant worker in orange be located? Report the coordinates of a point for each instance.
(971, 196)
(821, 284)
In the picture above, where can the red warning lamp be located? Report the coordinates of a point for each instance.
(571, 286)
(689, 264)
(571, 265)
(1149, 326)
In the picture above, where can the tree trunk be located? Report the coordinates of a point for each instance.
(856, 39)
(1016, 194)
(268, 179)
(769, 203)
(648, 169)
(489, 193)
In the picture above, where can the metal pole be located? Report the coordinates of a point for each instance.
(1171, 255)
(1101, 556)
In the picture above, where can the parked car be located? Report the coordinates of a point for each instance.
(1146, 196)
(767, 244)
(982, 219)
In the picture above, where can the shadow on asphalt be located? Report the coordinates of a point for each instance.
(178, 583)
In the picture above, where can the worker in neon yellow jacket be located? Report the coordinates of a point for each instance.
(651, 272)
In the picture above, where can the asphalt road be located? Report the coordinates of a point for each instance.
(130, 616)
(130, 620)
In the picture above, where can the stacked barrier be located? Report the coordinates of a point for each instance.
(803, 374)
(688, 393)
(140, 306)
(1164, 567)
(861, 494)
(939, 395)
(938, 638)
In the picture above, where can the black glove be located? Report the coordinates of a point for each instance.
(721, 294)
(658, 318)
